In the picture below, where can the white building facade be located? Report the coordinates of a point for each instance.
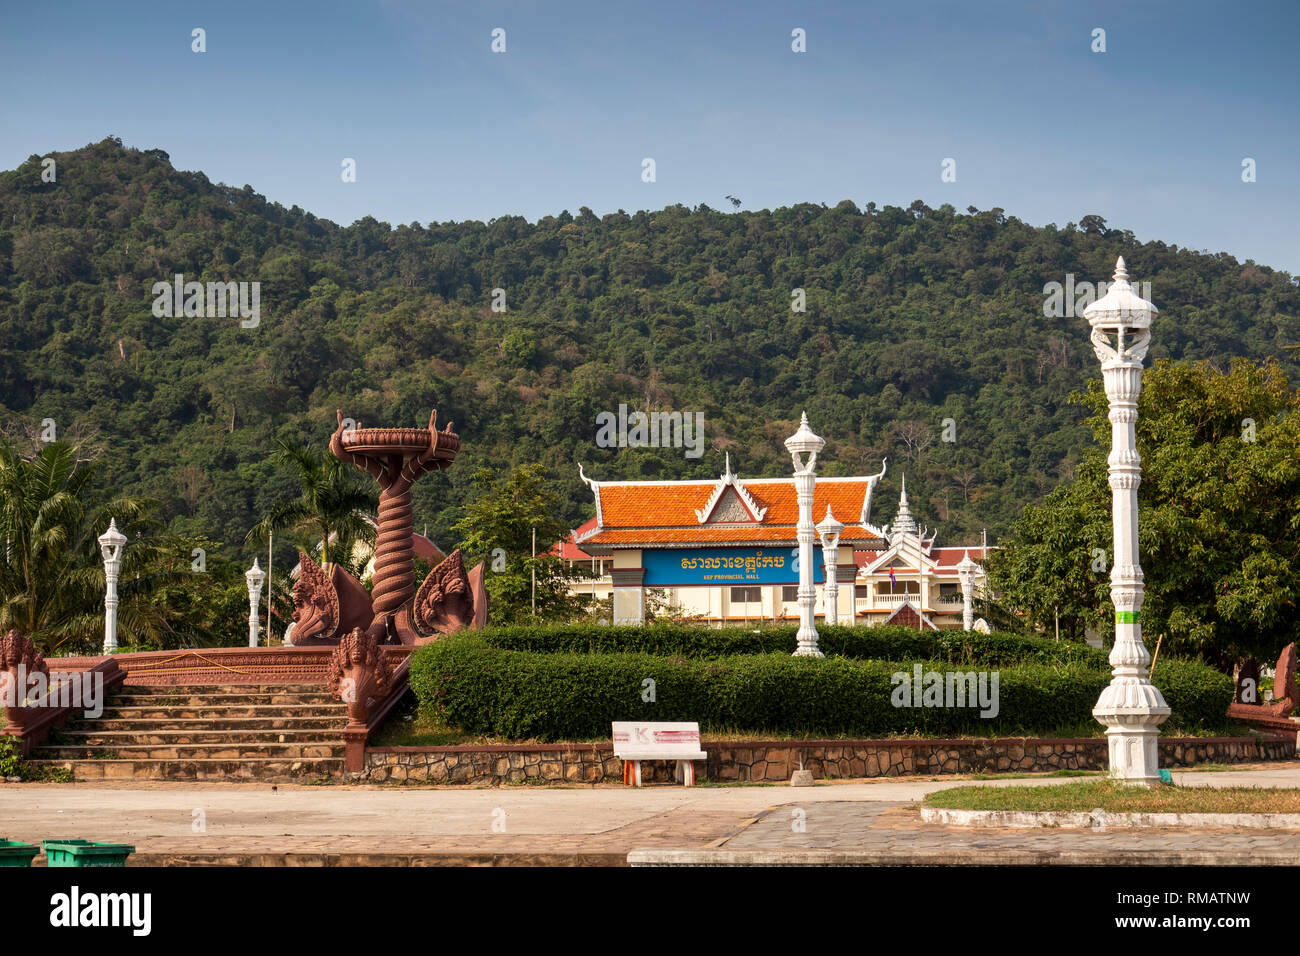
(913, 580)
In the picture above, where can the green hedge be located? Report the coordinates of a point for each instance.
(865, 643)
(1198, 694)
(468, 682)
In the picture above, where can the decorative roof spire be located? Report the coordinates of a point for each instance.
(865, 518)
(904, 523)
(595, 490)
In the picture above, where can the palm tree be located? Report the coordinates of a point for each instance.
(333, 507)
(51, 571)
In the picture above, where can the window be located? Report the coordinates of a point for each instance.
(949, 590)
(790, 594)
(745, 596)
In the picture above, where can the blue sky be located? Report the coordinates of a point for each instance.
(1150, 134)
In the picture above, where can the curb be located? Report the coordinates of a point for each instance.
(380, 858)
(1097, 819)
(986, 856)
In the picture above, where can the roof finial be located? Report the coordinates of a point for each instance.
(728, 471)
(903, 522)
(1121, 271)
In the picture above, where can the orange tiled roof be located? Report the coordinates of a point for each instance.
(665, 512)
(951, 557)
(710, 535)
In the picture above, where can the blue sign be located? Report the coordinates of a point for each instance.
(726, 566)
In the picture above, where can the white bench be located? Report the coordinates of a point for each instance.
(635, 742)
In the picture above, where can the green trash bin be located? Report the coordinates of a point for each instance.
(85, 853)
(13, 853)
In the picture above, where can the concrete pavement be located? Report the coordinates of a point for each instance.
(251, 823)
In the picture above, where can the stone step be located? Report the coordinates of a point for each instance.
(270, 769)
(172, 690)
(234, 749)
(266, 722)
(90, 736)
(205, 732)
(327, 711)
(217, 700)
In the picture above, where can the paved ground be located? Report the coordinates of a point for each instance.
(251, 823)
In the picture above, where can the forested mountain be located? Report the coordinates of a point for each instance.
(913, 316)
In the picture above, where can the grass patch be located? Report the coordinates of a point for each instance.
(1115, 797)
(413, 726)
(426, 730)
(1022, 776)
(13, 765)
(38, 774)
(423, 731)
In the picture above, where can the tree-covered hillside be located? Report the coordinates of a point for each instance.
(913, 316)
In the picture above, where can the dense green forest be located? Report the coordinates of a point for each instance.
(913, 316)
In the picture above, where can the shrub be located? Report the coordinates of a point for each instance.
(11, 758)
(480, 688)
(13, 765)
(570, 682)
(865, 643)
(1198, 695)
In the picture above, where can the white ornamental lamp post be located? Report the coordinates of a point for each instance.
(805, 481)
(829, 531)
(111, 543)
(1131, 707)
(255, 576)
(966, 575)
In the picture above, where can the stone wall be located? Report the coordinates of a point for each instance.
(493, 765)
(775, 760)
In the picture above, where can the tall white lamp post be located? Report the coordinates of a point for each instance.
(829, 531)
(966, 575)
(805, 482)
(254, 576)
(1131, 707)
(111, 543)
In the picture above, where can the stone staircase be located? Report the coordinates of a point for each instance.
(282, 732)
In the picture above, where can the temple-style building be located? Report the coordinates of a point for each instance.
(725, 551)
(913, 581)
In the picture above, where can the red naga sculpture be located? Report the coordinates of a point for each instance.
(331, 603)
